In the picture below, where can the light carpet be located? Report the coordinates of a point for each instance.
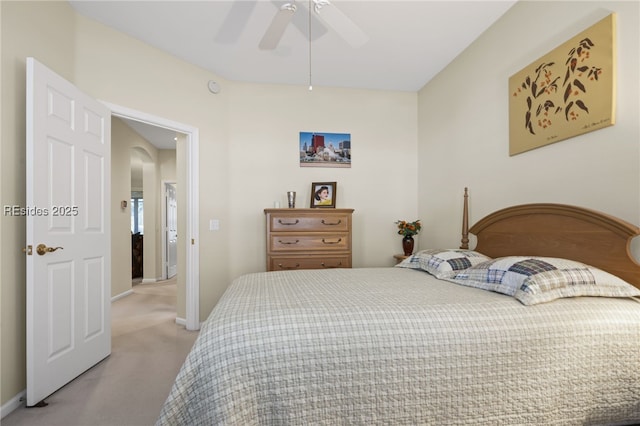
(129, 387)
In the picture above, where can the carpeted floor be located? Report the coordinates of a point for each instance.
(130, 386)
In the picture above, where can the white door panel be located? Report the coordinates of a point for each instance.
(171, 229)
(68, 185)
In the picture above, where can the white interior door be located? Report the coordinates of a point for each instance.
(171, 229)
(68, 198)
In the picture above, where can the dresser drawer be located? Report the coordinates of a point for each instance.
(290, 263)
(308, 238)
(338, 241)
(328, 222)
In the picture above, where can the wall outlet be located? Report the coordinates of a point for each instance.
(214, 225)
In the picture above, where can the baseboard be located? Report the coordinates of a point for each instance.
(121, 295)
(13, 404)
(149, 280)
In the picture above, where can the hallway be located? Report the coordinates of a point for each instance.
(129, 387)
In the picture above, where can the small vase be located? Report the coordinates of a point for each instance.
(407, 245)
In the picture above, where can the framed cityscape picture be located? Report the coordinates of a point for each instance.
(318, 149)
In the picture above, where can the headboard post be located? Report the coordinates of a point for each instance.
(465, 222)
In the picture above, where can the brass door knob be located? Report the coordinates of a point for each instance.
(42, 249)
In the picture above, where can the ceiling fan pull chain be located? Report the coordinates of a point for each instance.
(310, 80)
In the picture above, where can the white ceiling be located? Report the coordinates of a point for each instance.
(160, 137)
(408, 42)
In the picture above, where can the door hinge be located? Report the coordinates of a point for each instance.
(193, 241)
(28, 250)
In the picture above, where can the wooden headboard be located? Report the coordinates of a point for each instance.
(557, 230)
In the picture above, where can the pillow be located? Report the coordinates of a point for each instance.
(443, 263)
(534, 280)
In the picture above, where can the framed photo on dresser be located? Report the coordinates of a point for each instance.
(323, 194)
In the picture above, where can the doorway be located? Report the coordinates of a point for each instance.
(170, 231)
(190, 242)
(145, 172)
(144, 206)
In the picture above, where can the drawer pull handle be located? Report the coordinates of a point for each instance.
(331, 242)
(288, 223)
(281, 266)
(332, 223)
(289, 242)
(328, 267)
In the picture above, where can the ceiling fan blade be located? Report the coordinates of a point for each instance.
(235, 21)
(340, 23)
(279, 24)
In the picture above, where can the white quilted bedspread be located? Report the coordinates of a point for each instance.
(392, 346)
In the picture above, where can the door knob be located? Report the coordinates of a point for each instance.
(42, 249)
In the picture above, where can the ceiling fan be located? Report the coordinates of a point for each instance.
(329, 13)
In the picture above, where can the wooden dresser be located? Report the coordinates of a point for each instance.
(308, 238)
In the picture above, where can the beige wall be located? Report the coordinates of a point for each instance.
(412, 153)
(120, 218)
(125, 72)
(463, 116)
(264, 164)
(167, 164)
(248, 150)
(46, 31)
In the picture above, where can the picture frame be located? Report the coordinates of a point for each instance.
(323, 149)
(323, 195)
(568, 92)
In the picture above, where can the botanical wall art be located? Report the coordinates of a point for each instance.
(325, 149)
(568, 92)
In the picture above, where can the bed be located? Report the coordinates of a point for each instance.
(430, 342)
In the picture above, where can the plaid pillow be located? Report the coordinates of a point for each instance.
(443, 263)
(534, 280)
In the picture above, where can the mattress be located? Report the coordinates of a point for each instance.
(396, 346)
